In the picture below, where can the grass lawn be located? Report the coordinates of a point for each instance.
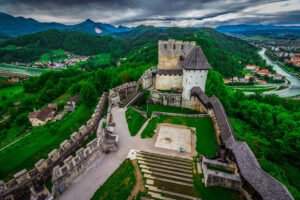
(42, 140)
(206, 140)
(119, 185)
(212, 193)
(136, 121)
(161, 108)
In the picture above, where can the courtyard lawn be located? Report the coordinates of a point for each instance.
(206, 139)
(211, 193)
(41, 141)
(134, 120)
(119, 185)
(149, 108)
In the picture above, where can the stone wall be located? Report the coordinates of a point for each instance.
(73, 166)
(168, 82)
(219, 178)
(122, 94)
(156, 114)
(31, 183)
(167, 99)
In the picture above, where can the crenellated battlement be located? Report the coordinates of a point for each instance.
(171, 53)
(175, 47)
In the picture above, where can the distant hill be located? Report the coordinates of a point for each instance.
(17, 26)
(228, 55)
(30, 47)
(262, 30)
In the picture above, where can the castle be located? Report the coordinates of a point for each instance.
(181, 67)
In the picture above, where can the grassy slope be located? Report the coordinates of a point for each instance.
(119, 184)
(206, 139)
(40, 142)
(10, 93)
(136, 121)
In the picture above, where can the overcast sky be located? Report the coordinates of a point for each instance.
(158, 12)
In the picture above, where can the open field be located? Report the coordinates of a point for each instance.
(119, 185)
(206, 139)
(42, 140)
(21, 70)
(254, 88)
(54, 55)
(135, 121)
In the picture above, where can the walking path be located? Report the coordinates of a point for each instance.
(87, 184)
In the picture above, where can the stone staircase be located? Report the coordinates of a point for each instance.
(167, 177)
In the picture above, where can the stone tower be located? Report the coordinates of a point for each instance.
(171, 53)
(195, 68)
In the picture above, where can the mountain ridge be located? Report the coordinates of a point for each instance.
(17, 26)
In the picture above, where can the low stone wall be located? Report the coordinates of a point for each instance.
(156, 114)
(218, 178)
(28, 182)
(143, 113)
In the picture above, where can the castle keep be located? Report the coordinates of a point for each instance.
(181, 67)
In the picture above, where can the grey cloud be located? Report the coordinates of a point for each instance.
(134, 11)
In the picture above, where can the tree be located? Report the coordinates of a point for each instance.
(88, 94)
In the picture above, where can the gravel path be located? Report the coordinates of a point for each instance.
(87, 184)
(84, 186)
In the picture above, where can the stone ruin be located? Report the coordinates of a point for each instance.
(228, 177)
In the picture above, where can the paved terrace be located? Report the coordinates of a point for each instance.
(86, 185)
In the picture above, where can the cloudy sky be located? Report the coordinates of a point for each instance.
(158, 12)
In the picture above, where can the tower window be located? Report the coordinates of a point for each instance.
(181, 46)
(174, 46)
(165, 46)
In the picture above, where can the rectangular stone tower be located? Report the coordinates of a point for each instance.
(171, 53)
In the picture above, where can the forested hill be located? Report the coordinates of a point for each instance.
(226, 54)
(31, 47)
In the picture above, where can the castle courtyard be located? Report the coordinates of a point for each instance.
(174, 137)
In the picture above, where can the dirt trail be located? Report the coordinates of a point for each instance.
(139, 186)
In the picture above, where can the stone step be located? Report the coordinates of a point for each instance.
(168, 180)
(157, 166)
(139, 156)
(155, 174)
(164, 164)
(158, 196)
(190, 175)
(183, 196)
(164, 156)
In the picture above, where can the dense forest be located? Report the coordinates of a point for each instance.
(269, 124)
(227, 54)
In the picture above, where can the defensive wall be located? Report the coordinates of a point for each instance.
(259, 184)
(31, 184)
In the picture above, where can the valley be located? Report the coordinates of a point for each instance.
(267, 123)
